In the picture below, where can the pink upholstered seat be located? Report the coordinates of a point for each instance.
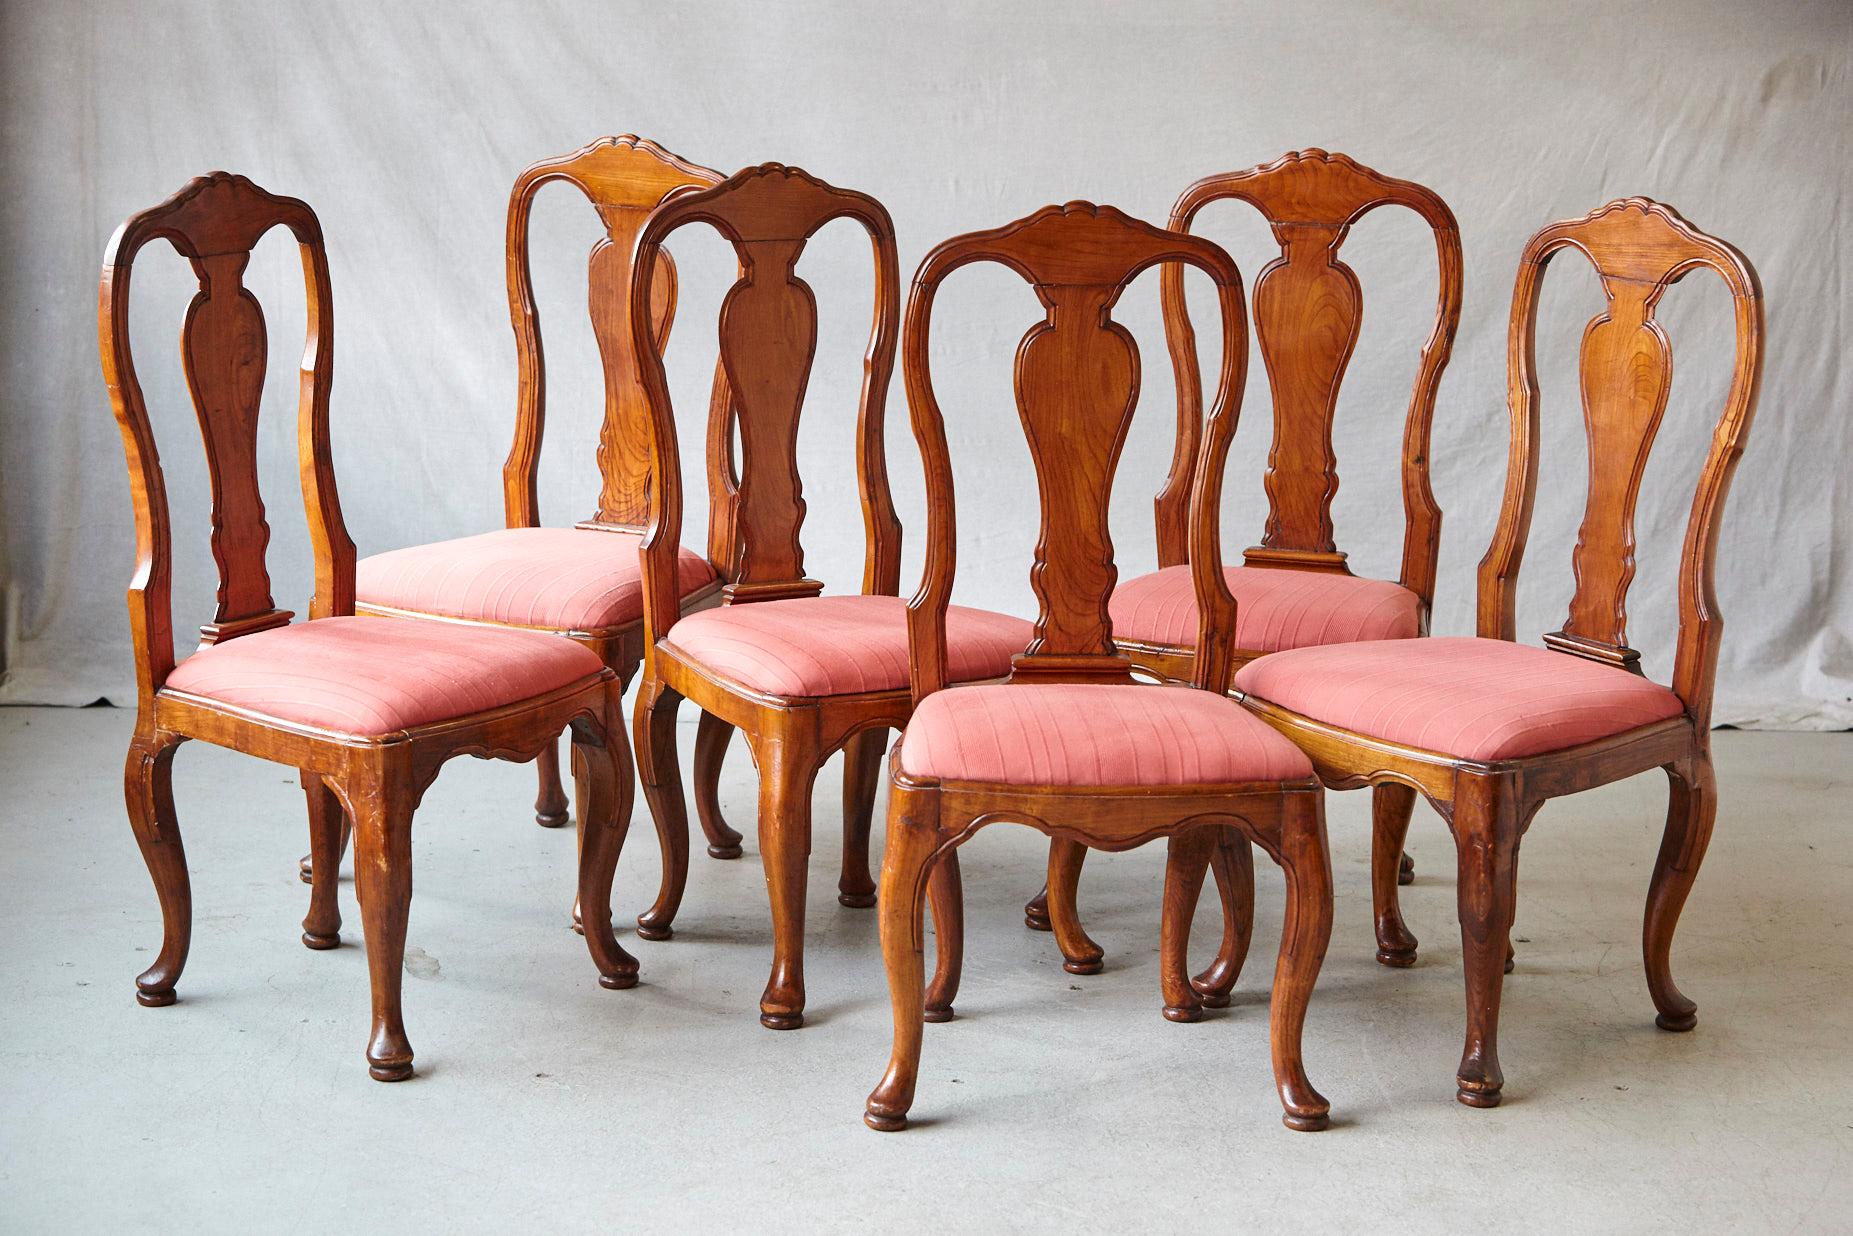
(1093, 734)
(1274, 609)
(373, 676)
(1474, 699)
(564, 579)
(842, 645)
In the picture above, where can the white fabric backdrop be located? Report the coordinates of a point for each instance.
(404, 125)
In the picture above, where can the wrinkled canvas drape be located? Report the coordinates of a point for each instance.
(405, 124)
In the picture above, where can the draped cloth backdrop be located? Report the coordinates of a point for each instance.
(404, 125)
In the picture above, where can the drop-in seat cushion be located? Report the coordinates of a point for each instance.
(1093, 734)
(1274, 609)
(810, 647)
(563, 579)
(376, 676)
(1472, 699)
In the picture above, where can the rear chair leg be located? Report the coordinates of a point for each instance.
(711, 738)
(1391, 806)
(550, 803)
(861, 773)
(1080, 955)
(1036, 911)
(328, 836)
(1186, 863)
(305, 867)
(661, 775)
(1233, 863)
(787, 772)
(946, 897)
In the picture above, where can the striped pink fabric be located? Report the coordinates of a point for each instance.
(1274, 609)
(1093, 734)
(374, 676)
(1474, 699)
(843, 645)
(567, 579)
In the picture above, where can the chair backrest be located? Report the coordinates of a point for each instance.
(1639, 248)
(214, 222)
(768, 339)
(624, 178)
(1077, 384)
(1307, 307)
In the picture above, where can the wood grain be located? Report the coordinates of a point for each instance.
(1076, 382)
(1639, 248)
(373, 781)
(767, 332)
(1307, 308)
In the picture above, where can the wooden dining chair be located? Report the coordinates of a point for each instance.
(367, 710)
(800, 674)
(1295, 589)
(1070, 745)
(583, 582)
(1487, 729)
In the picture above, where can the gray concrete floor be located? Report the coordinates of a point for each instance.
(1052, 1101)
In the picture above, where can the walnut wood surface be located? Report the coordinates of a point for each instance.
(1076, 384)
(623, 179)
(1307, 307)
(767, 336)
(375, 782)
(1639, 248)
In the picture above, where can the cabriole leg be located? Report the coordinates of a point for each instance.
(1691, 807)
(861, 772)
(1307, 862)
(787, 771)
(149, 790)
(661, 775)
(908, 851)
(711, 738)
(602, 769)
(383, 806)
(1486, 837)
(1391, 806)
(1036, 911)
(1186, 862)
(305, 867)
(1233, 864)
(550, 803)
(1080, 955)
(328, 831)
(946, 896)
